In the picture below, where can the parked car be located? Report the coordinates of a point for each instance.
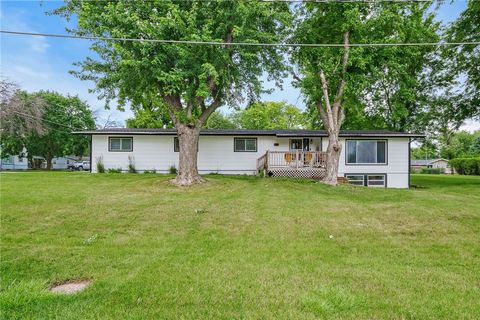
(82, 165)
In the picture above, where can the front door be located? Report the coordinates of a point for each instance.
(300, 144)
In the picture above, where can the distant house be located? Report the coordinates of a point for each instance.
(418, 165)
(19, 162)
(368, 158)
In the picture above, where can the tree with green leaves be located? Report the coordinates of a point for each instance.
(152, 117)
(191, 80)
(465, 60)
(345, 81)
(49, 132)
(220, 121)
(271, 115)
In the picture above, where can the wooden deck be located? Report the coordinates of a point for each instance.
(293, 164)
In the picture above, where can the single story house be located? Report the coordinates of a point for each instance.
(368, 158)
(19, 162)
(418, 165)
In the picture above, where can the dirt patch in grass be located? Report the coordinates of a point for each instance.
(70, 286)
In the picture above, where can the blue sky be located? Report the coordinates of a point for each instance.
(37, 63)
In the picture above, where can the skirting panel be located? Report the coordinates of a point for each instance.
(305, 173)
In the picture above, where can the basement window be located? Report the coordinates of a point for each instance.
(120, 144)
(367, 180)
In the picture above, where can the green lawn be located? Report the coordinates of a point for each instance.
(238, 248)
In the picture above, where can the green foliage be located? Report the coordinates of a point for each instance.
(114, 170)
(149, 171)
(100, 165)
(60, 116)
(220, 121)
(172, 169)
(428, 150)
(460, 144)
(270, 115)
(150, 118)
(464, 60)
(467, 166)
(432, 170)
(191, 80)
(388, 87)
(131, 164)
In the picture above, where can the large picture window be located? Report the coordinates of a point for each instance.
(366, 152)
(120, 144)
(245, 144)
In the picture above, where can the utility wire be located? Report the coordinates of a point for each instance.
(252, 44)
(52, 122)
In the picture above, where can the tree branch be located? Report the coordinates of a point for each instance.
(337, 106)
(329, 124)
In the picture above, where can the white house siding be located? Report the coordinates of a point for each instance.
(396, 168)
(216, 155)
(14, 163)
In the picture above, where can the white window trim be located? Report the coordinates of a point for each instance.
(366, 163)
(120, 150)
(247, 138)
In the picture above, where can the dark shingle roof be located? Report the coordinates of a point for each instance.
(246, 132)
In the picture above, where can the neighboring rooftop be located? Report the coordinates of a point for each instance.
(425, 162)
(245, 132)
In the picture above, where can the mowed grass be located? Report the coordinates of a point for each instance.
(238, 248)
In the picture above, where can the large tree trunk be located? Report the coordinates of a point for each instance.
(49, 162)
(333, 157)
(187, 163)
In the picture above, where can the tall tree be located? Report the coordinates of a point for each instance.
(466, 59)
(191, 80)
(336, 81)
(271, 115)
(57, 117)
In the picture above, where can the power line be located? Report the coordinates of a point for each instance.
(251, 44)
(52, 122)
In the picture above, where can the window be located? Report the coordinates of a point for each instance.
(368, 180)
(376, 180)
(121, 144)
(356, 179)
(300, 144)
(245, 144)
(176, 145)
(366, 152)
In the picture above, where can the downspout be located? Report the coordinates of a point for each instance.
(409, 159)
(410, 140)
(91, 164)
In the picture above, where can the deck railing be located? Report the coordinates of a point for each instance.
(292, 159)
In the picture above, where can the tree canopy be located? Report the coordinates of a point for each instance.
(42, 123)
(270, 115)
(191, 80)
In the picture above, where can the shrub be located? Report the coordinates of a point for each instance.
(100, 165)
(113, 170)
(172, 169)
(149, 171)
(468, 166)
(433, 170)
(131, 164)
